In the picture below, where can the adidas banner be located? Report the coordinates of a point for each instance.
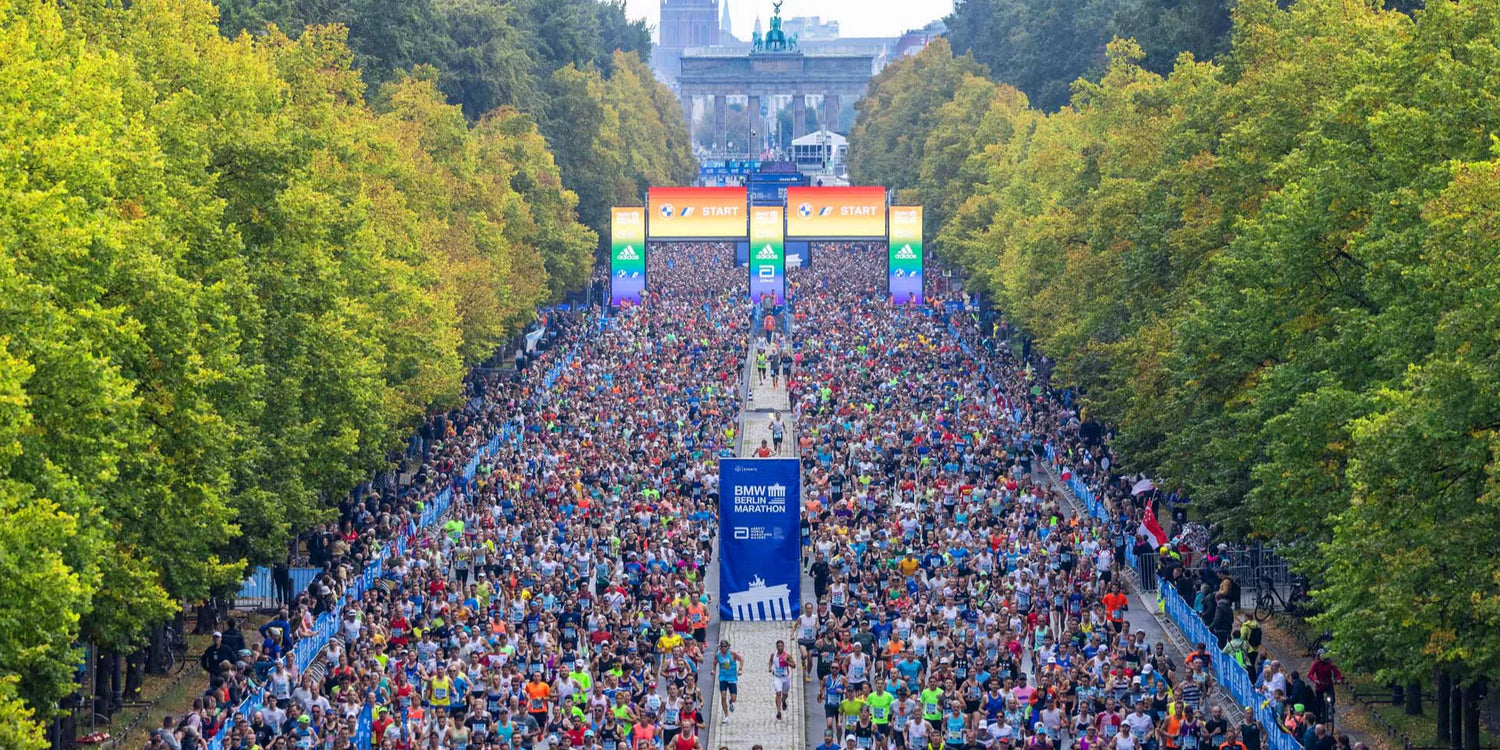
(904, 278)
(767, 256)
(627, 255)
(759, 538)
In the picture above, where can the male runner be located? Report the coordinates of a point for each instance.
(780, 665)
(728, 663)
(807, 636)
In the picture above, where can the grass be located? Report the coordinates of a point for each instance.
(1420, 730)
(166, 695)
(1374, 719)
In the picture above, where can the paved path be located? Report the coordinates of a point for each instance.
(1143, 613)
(753, 721)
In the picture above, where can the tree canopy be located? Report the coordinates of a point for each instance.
(1273, 272)
(236, 269)
(1042, 46)
(577, 67)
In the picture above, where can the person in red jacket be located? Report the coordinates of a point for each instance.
(1323, 674)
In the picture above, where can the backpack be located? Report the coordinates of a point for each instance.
(1253, 637)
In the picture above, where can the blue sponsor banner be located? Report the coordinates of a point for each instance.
(760, 506)
(799, 253)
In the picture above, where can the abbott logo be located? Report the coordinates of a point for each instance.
(742, 532)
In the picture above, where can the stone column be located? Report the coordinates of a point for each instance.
(687, 115)
(721, 112)
(757, 123)
(799, 115)
(832, 103)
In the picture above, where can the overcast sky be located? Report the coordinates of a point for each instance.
(855, 17)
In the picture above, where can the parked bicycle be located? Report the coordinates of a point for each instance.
(1269, 600)
(176, 656)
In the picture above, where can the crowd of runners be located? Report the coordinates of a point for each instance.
(562, 604)
(959, 603)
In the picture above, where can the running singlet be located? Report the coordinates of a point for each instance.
(856, 669)
(806, 631)
(955, 733)
(728, 668)
(441, 690)
(779, 667)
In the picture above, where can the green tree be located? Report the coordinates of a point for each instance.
(898, 112)
(1041, 47)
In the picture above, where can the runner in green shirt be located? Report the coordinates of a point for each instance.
(932, 702)
(879, 703)
(853, 703)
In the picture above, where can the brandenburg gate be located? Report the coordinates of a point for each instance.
(774, 67)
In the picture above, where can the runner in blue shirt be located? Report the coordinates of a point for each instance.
(728, 665)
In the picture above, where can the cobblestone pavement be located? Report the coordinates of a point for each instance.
(753, 721)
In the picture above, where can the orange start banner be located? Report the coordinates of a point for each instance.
(696, 213)
(835, 212)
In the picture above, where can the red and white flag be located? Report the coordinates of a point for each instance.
(1150, 527)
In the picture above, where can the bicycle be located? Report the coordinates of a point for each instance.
(176, 656)
(1268, 598)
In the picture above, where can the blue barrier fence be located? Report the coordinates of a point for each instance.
(260, 588)
(1227, 671)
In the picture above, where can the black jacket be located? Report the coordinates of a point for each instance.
(215, 653)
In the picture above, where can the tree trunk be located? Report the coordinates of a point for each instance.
(1414, 698)
(156, 651)
(1471, 715)
(1456, 718)
(1441, 694)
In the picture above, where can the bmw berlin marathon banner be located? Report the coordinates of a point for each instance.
(760, 576)
(627, 255)
(905, 280)
(767, 256)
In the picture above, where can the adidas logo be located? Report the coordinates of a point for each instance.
(628, 253)
(905, 253)
(766, 253)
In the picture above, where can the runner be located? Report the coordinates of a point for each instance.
(780, 665)
(806, 633)
(727, 663)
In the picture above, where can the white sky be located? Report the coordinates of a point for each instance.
(855, 17)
